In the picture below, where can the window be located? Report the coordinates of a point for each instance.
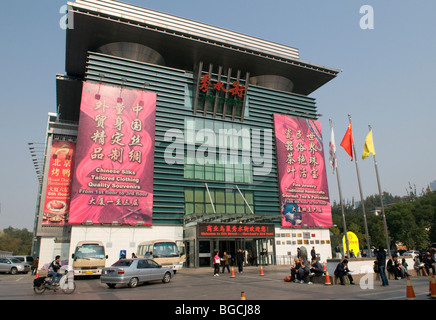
(217, 151)
(142, 264)
(225, 201)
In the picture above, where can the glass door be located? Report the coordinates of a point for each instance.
(204, 253)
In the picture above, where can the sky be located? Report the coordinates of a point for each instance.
(387, 80)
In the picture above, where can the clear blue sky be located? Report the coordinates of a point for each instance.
(387, 81)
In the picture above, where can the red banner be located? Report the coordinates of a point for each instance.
(59, 179)
(113, 181)
(303, 184)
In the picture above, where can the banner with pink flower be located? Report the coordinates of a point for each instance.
(114, 161)
(303, 187)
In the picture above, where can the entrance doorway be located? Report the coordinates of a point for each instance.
(256, 251)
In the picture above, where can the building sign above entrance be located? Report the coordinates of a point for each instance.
(235, 230)
(221, 95)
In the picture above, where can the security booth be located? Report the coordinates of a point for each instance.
(256, 240)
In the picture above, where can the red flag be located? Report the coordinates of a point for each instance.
(347, 141)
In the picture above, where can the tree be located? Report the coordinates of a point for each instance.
(17, 241)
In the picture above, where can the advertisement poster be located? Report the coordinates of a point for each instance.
(353, 243)
(59, 179)
(113, 180)
(302, 176)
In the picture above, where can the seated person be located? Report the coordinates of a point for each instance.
(304, 270)
(393, 267)
(294, 269)
(342, 270)
(429, 263)
(316, 269)
(418, 265)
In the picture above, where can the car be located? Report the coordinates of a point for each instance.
(25, 259)
(134, 272)
(410, 253)
(13, 266)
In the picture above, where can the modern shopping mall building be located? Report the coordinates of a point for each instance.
(170, 128)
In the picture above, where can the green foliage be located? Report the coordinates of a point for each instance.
(17, 241)
(410, 220)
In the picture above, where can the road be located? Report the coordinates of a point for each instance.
(200, 284)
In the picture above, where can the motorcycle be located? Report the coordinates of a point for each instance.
(66, 284)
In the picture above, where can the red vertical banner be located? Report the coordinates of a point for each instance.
(113, 179)
(302, 175)
(59, 179)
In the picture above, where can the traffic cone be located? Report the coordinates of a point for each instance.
(410, 294)
(327, 278)
(261, 271)
(242, 295)
(232, 274)
(433, 287)
(37, 274)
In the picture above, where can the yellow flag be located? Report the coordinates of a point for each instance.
(369, 146)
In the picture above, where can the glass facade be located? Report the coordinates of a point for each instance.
(225, 201)
(217, 151)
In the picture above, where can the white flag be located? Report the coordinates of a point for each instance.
(332, 151)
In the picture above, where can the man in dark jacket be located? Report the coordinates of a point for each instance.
(381, 262)
(54, 268)
(342, 270)
(316, 269)
(240, 260)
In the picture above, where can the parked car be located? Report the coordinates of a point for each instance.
(13, 266)
(135, 271)
(410, 253)
(25, 259)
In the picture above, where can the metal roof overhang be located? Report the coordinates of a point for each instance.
(93, 29)
(68, 97)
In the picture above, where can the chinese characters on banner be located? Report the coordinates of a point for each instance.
(113, 179)
(59, 179)
(302, 176)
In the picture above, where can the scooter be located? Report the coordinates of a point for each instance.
(66, 284)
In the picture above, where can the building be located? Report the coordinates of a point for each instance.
(205, 169)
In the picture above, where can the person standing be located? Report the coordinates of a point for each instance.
(225, 262)
(381, 262)
(216, 264)
(35, 266)
(240, 260)
(313, 254)
(338, 252)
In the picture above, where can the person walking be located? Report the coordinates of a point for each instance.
(381, 262)
(240, 260)
(225, 261)
(216, 264)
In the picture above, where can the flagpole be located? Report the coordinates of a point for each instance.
(361, 197)
(335, 167)
(381, 200)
